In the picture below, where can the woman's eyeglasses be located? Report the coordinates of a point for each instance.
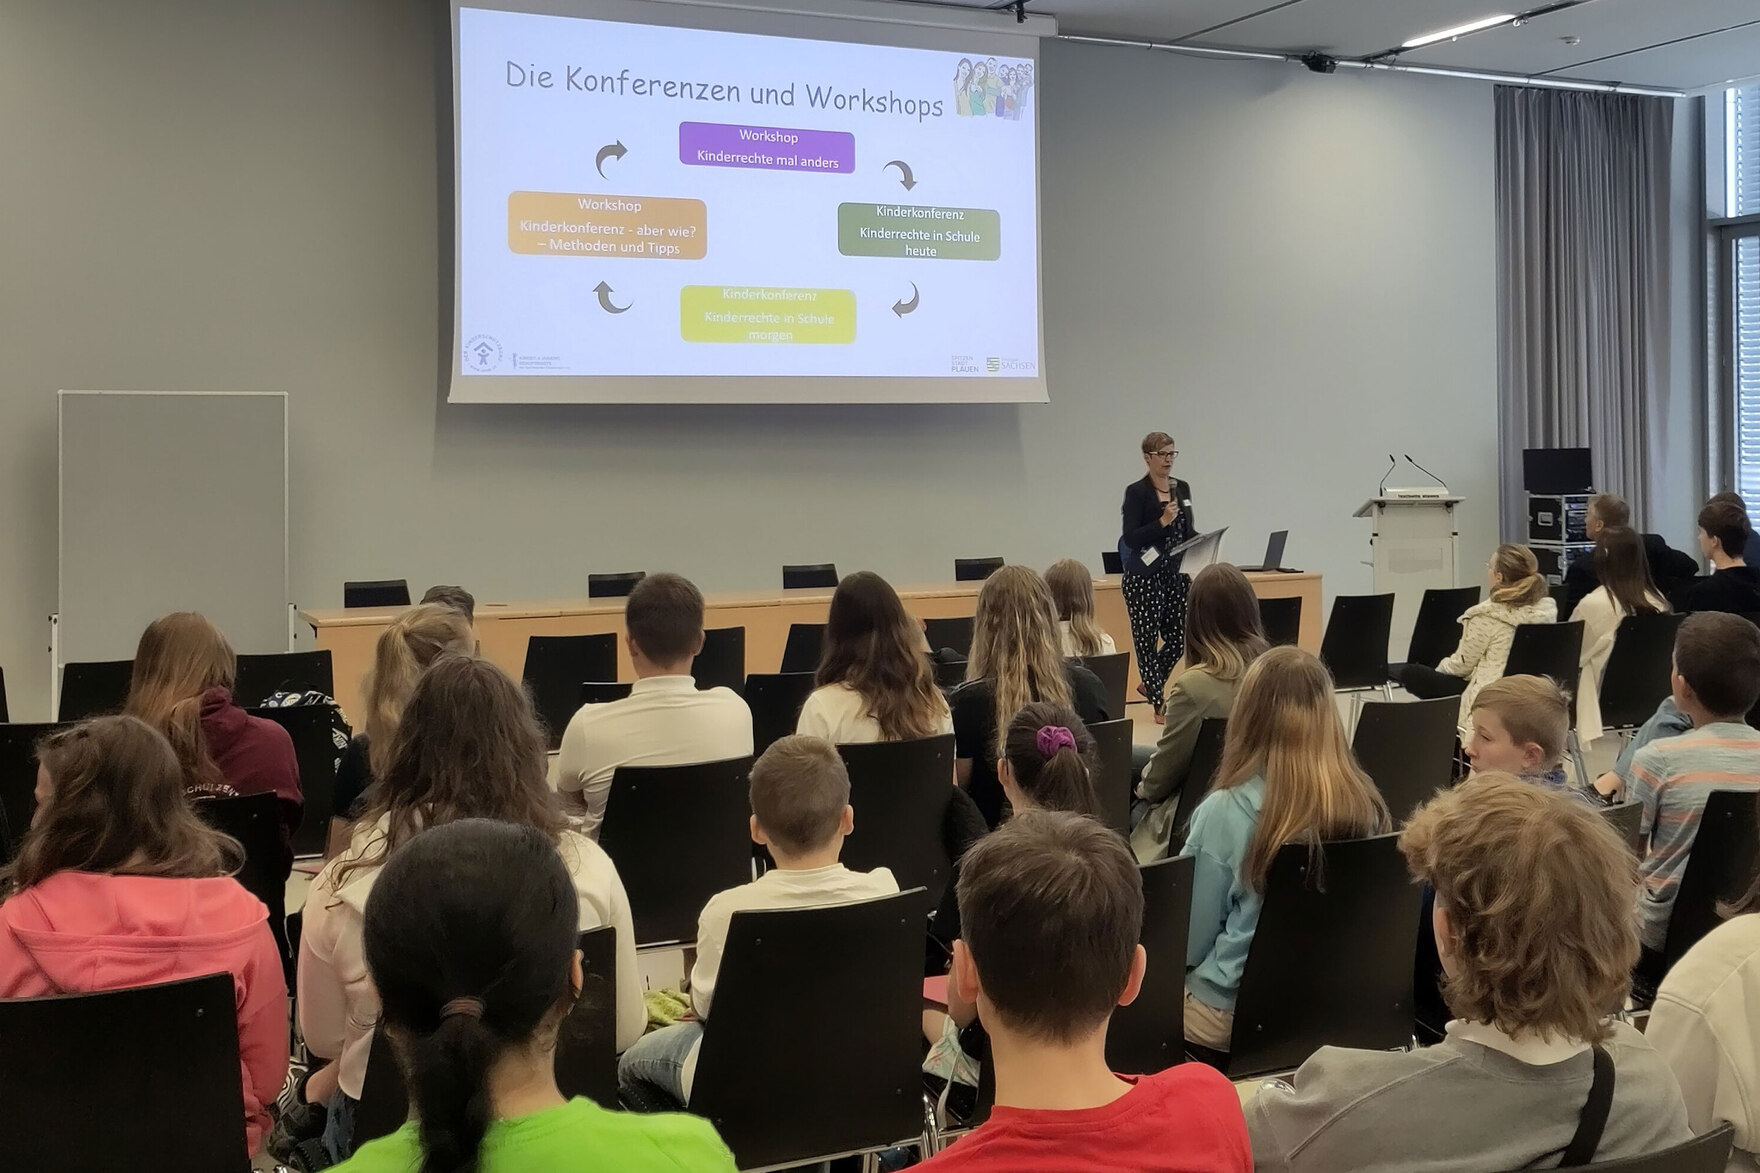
(1165, 454)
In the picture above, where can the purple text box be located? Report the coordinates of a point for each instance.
(767, 148)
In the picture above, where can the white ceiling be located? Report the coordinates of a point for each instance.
(1677, 44)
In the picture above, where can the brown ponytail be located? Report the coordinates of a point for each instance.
(1052, 755)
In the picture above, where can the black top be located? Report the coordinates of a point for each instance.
(1735, 589)
(1142, 523)
(354, 778)
(1670, 570)
(974, 731)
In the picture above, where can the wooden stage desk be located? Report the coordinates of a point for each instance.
(502, 628)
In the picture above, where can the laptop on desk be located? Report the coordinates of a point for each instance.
(1273, 555)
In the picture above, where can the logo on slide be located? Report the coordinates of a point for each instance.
(482, 353)
(964, 364)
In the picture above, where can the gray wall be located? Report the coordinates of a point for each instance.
(1291, 273)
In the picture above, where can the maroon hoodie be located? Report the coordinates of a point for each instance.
(254, 756)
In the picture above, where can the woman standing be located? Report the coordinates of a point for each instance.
(1157, 517)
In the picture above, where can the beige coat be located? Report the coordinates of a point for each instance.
(1194, 695)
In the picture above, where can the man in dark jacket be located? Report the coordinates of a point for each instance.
(1670, 569)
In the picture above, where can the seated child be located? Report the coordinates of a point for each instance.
(1519, 726)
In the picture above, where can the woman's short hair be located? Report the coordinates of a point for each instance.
(1155, 440)
(1539, 891)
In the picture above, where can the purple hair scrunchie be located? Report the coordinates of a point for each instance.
(1053, 738)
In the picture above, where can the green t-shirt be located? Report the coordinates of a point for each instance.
(576, 1137)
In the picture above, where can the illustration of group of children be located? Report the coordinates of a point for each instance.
(988, 90)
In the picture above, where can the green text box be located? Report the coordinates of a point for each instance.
(758, 313)
(917, 230)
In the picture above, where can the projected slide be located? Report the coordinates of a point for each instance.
(648, 202)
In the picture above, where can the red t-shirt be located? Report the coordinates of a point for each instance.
(1187, 1119)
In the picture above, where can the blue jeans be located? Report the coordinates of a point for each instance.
(656, 1061)
(339, 1127)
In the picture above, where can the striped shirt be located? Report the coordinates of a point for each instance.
(1674, 779)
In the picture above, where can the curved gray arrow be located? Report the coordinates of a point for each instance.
(604, 292)
(901, 308)
(904, 171)
(615, 150)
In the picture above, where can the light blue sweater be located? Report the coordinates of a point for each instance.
(1225, 909)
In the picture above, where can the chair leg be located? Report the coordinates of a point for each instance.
(1576, 749)
(870, 1163)
(931, 1128)
(1387, 690)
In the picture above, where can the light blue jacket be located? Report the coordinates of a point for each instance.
(1225, 909)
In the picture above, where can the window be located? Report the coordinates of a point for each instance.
(1739, 263)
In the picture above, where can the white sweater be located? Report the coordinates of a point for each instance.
(1486, 631)
(1601, 614)
(1703, 1025)
(338, 1006)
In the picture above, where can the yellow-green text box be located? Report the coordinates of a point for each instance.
(761, 313)
(917, 230)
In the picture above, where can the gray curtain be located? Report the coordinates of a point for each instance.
(1582, 284)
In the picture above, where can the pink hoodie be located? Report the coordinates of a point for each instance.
(82, 932)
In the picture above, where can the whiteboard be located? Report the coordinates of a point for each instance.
(171, 501)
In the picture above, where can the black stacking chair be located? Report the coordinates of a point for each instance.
(952, 634)
(1331, 961)
(807, 577)
(255, 821)
(1636, 679)
(678, 835)
(1553, 650)
(722, 662)
(1282, 619)
(4, 715)
(261, 676)
(784, 975)
(18, 779)
(1354, 648)
(949, 674)
(1110, 562)
(1628, 819)
(975, 569)
(586, 1048)
(93, 688)
(1720, 868)
(900, 791)
(143, 1079)
(603, 692)
(1114, 672)
(1149, 1035)
(775, 699)
(1703, 1154)
(1407, 749)
(312, 729)
(1112, 781)
(378, 592)
(1437, 632)
(1206, 760)
(805, 646)
(613, 586)
(554, 667)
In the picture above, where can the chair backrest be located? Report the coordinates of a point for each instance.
(1407, 749)
(313, 731)
(785, 974)
(1331, 960)
(1703, 1154)
(1110, 562)
(1437, 632)
(5, 716)
(806, 643)
(554, 668)
(722, 662)
(255, 821)
(1149, 1035)
(377, 592)
(900, 791)
(1628, 819)
(18, 778)
(94, 688)
(261, 676)
(678, 835)
(975, 569)
(775, 699)
(1282, 620)
(1206, 760)
(614, 586)
(586, 1048)
(155, 1068)
(953, 634)
(1112, 781)
(809, 575)
(603, 692)
(950, 674)
(1114, 672)
(1354, 647)
(1553, 650)
(1720, 868)
(1636, 679)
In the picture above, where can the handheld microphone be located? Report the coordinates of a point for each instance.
(1426, 472)
(1381, 489)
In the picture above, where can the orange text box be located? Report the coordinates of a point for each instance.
(565, 224)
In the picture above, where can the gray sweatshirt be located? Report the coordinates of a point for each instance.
(1460, 1107)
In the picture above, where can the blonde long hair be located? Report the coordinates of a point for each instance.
(1285, 729)
(180, 657)
(1224, 630)
(1072, 595)
(1520, 571)
(414, 640)
(1015, 645)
